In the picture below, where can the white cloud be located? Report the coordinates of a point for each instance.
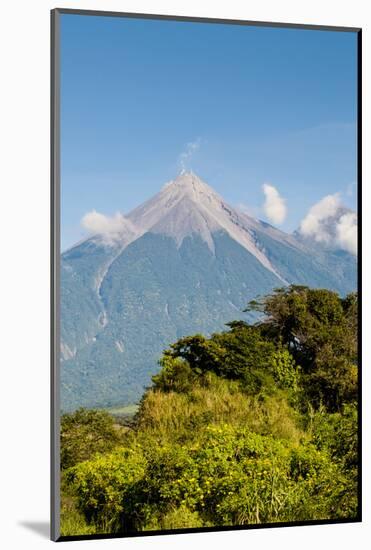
(188, 152)
(109, 227)
(346, 231)
(274, 205)
(313, 223)
(327, 222)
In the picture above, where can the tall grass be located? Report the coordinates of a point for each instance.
(171, 415)
(72, 520)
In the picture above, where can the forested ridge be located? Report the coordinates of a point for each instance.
(256, 424)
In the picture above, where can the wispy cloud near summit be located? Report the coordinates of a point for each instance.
(186, 155)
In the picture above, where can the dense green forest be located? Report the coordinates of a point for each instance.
(256, 424)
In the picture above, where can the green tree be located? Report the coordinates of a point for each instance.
(242, 353)
(175, 374)
(320, 330)
(84, 433)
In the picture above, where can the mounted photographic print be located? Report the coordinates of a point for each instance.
(205, 228)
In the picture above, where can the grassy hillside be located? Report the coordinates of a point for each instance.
(256, 424)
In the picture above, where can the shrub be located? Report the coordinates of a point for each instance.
(84, 433)
(338, 434)
(229, 476)
(175, 375)
(108, 489)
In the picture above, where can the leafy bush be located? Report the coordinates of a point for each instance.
(285, 371)
(338, 434)
(228, 477)
(108, 489)
(84, 433)
(177, 518)
(175, 375)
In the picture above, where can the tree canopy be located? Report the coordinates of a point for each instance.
(319, 329)
(84, 433)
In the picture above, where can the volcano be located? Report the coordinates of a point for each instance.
(183, 262)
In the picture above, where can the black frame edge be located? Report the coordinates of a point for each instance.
(196, 530)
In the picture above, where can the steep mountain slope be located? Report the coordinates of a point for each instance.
(187, 206)
(83, 268)
(183, 262)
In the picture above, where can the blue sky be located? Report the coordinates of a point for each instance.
(262, 104)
